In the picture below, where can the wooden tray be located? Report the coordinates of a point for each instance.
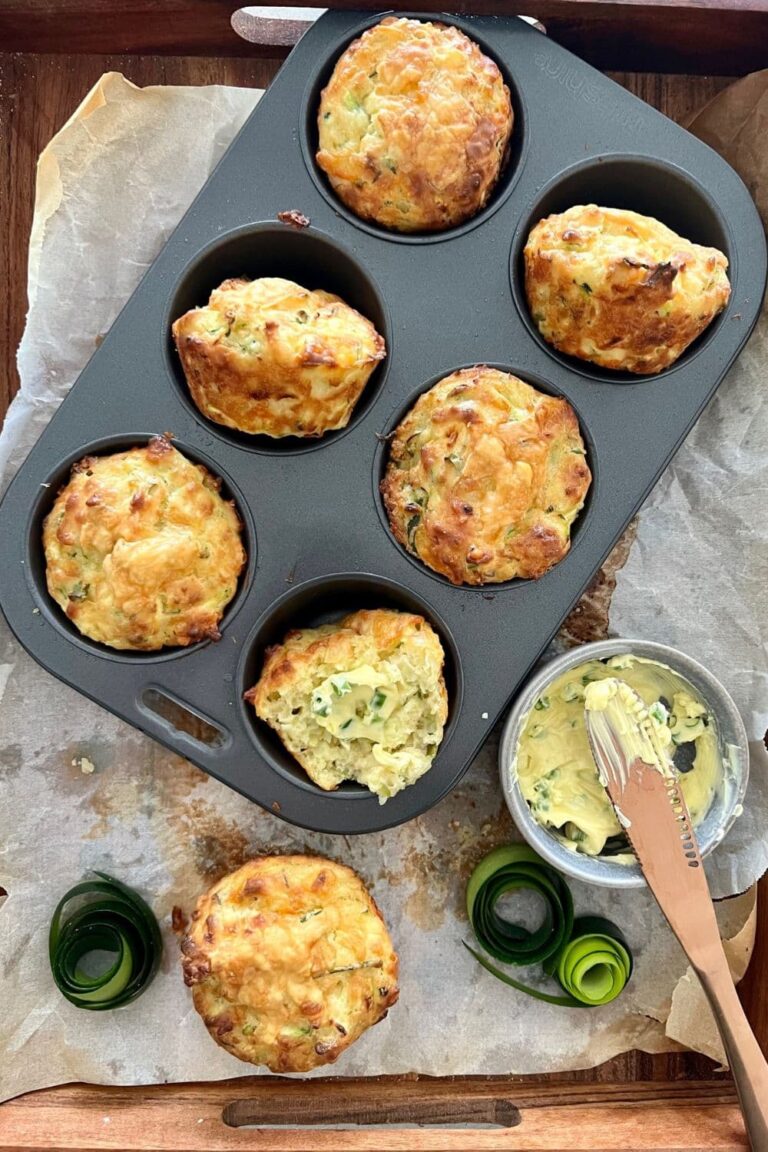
(51, 52)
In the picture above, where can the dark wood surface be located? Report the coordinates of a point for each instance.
(37, 94)
(726, 36)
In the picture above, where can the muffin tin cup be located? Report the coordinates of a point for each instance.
(381, 458)
(304, 255)
(641, 184)
(308, 135)
(327, 600)
(317, 537)
(34, 563)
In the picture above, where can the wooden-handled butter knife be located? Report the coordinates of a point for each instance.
(638, 775)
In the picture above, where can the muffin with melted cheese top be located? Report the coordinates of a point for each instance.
(289, 961)
(414, 126)
(361, 700)
(141, 549)
(485, 477)
(269, 357)
(620, 289)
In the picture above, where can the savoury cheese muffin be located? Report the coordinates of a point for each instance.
(619, 289)
(360, 700)
(289, 962)
(141, 551)
(485, 477)
(414, 126)
(272, 358)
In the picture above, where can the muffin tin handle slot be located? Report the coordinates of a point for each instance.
(182, 721)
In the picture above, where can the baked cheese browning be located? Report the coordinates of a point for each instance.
(272, 358)
(289, 961)
(141, 550)
(619, 289)
(485, 477)
(414, 126)
(362, 700)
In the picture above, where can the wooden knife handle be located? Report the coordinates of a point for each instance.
(748, 1064)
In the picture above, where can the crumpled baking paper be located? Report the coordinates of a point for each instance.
(82, 790)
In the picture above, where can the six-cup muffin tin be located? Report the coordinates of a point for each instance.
(317, 538)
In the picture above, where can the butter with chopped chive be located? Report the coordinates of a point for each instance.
(554, 763)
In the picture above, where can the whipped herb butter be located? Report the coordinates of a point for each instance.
(555, 768)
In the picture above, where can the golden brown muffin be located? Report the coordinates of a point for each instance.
(361, 700)
(289, 962)
(141, 550)
(414, 126)
(620, 289)
(485, 477)
(270, 357)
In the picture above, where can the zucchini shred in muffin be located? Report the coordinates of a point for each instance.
(289, 961)
(485, 477)
(268, 357)
(619, 289)
(414, 126)
(362, 700)
(141, 550)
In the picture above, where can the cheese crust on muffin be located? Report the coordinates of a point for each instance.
(414, 126)
(271, 358)
(362, 700)
(289, 961)
(485, 478)
(141, 551)
(620, 289)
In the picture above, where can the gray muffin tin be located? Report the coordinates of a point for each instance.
(315, 530)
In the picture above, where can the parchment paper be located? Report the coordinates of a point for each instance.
(82, 790)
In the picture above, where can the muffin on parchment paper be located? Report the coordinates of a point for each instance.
(141, 550)
(362, 700)
(272, 358)
(619, 289)
(414, 126)
(485, 477)
(289, 961)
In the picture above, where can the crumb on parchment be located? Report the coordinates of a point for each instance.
(86, 766)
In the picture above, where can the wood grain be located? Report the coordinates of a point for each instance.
(653, 1101)
(727, 36)
(551, 1116)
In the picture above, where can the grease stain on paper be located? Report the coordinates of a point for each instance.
(437, 868)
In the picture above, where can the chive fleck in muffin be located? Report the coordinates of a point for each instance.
(272, 358)
(289, 961)
(414, 126)
(620, 289)
(141, 550)
(362, 700)
(485, 477)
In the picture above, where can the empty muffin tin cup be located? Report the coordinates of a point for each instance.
(603, 870)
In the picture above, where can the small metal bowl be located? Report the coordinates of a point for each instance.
(605, 870)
